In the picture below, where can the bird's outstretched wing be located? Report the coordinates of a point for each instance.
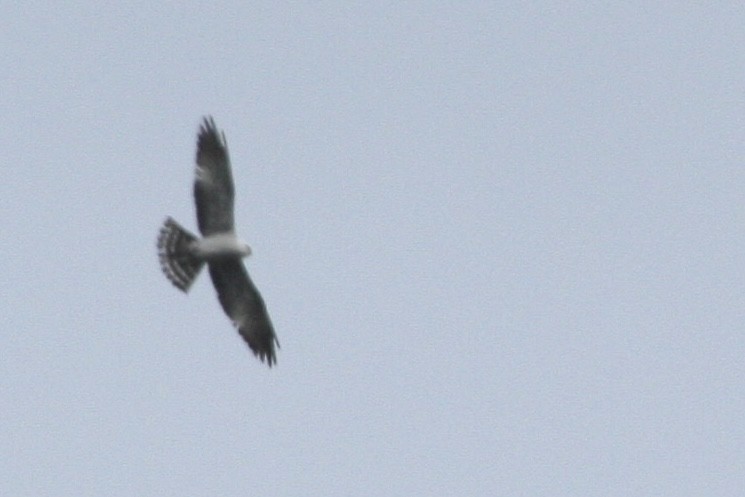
(242, 302)
(213, 185)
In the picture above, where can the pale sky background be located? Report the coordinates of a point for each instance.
(501, 244)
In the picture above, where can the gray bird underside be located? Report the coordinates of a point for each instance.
(181, 254)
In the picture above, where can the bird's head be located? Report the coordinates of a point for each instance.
(245, 250)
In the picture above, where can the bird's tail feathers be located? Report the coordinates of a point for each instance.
(176, 258)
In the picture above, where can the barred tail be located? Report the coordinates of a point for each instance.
(176, 259)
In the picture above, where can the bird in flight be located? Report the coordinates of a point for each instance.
(182, 254)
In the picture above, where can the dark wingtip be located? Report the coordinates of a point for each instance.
(208, 129)
(208, 125)
(267, 356)
(265, 351)
(210, 139)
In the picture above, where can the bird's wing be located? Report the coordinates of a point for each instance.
(242, 302)
(213, 185)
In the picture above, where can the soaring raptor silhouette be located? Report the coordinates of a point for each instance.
(182, 254)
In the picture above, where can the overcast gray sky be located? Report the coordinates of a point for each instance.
(501, 244)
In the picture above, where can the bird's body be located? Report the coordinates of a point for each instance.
(182, 254)
(220, 246)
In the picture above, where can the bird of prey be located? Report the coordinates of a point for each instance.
(182, 254)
